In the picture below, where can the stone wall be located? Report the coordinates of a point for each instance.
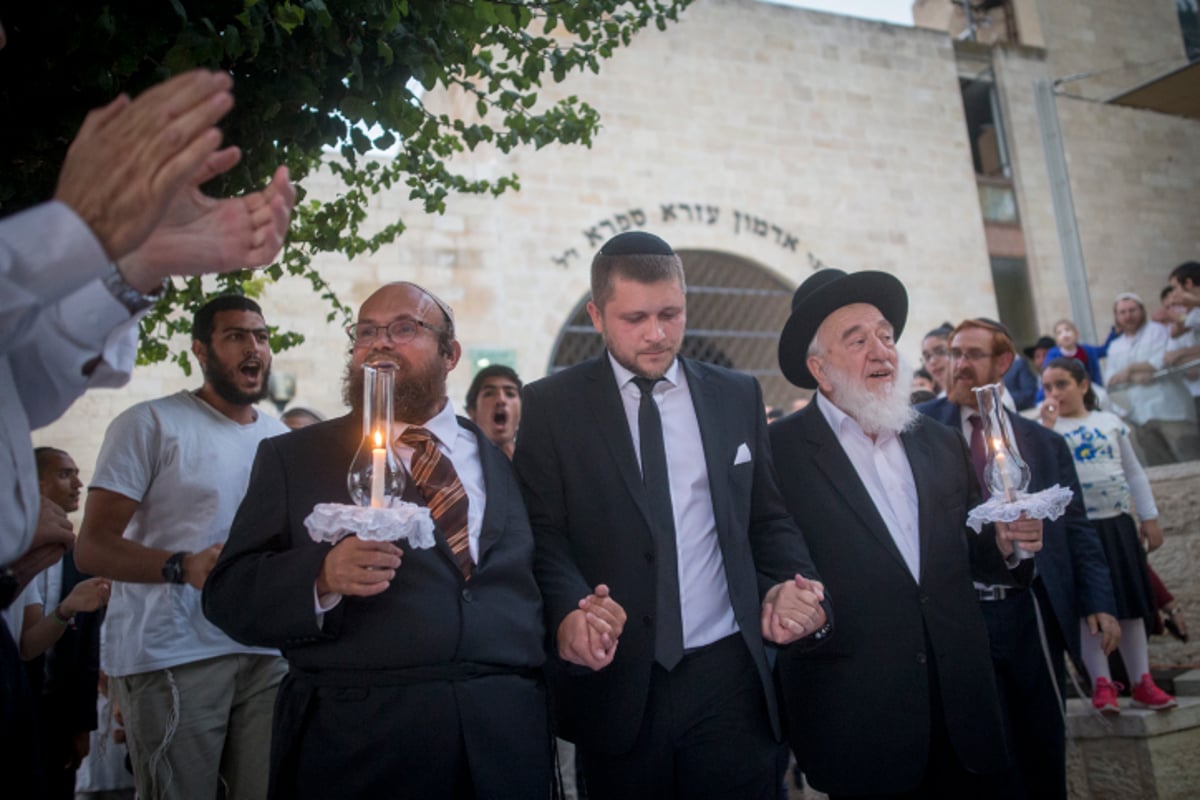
(1118, 43)
(1177, 493)
(774, 133)
(769, 132)
(1133, 175)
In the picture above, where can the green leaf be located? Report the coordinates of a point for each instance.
(307, 72)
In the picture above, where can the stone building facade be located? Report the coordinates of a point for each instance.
(766, 141)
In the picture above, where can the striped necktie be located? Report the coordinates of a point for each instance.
(442, 491)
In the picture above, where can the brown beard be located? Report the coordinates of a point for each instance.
(418, 394)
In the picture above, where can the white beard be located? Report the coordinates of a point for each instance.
(888, 410)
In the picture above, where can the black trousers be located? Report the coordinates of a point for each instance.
(944, 776)
(705, 734)
(481, 739)
(19, 736)
(1033, 716)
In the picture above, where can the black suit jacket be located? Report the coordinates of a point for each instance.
(64, 679)
(859, 708)
(1071, 564)
(591, 521)
(261, 593)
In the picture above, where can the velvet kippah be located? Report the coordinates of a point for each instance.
(636, 243)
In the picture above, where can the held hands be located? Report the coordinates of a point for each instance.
(588, 635)
(358, 568)
(792, 610)
(1109, 629)
(196, 566)
(1024, 532)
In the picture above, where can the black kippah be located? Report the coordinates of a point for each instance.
(636, 243)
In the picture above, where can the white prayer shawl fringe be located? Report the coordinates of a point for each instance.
(159, 756)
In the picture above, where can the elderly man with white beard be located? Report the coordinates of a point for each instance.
(901, 700)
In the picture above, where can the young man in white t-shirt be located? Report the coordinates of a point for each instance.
(170, 475)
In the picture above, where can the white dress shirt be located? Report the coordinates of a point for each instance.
(1189, 338)
(882, 466)
(703, 590)
(55, 317)
(1166, 399)
(460, 446)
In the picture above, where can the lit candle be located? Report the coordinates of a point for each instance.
(1000, 468)
(378, 468)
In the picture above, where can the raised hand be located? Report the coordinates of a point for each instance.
(131, 157)
(200, 234)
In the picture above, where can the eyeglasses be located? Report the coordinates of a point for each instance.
(930, 355)
(969, 355)
(401, 331)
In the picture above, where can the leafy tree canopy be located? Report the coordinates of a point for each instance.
(310, 78)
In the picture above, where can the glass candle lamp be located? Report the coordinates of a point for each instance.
(376, 476)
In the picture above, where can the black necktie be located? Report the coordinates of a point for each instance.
(668, 630)
(979, 453)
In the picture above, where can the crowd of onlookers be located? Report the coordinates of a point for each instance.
(249, 647)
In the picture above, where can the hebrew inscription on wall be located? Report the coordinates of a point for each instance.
(739, 222)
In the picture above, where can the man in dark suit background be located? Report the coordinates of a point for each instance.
(664, 552)
(1028, 629)
(901, 702)
(413, 679)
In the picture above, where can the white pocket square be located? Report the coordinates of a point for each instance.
(743, 454)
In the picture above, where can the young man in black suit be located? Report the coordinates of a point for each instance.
(413, 679)
(664, 552)
(901, 702)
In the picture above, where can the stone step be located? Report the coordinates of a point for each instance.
(1187, 684)
(1139, 753)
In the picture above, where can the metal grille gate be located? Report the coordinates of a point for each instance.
(736, 309)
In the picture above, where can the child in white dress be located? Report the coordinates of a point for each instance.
(1110, 476)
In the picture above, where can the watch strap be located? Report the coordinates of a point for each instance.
(133, 300)
(172, 568)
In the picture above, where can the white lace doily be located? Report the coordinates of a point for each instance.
(1046, 504)
(332, 522)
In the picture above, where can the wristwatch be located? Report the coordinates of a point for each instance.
(133, 300)
(172, 569)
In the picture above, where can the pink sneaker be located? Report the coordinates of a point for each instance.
(1147, 695)
(1104, 696)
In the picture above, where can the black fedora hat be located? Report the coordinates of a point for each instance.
(1044, 343)
(824, 292)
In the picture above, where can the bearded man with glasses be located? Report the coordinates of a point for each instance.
(412, 673)
(1030, 628)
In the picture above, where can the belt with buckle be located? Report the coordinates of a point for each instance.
(991, 593)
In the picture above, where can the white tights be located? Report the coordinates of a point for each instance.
(1135, 651)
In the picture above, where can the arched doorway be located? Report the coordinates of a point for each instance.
(736, 309)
